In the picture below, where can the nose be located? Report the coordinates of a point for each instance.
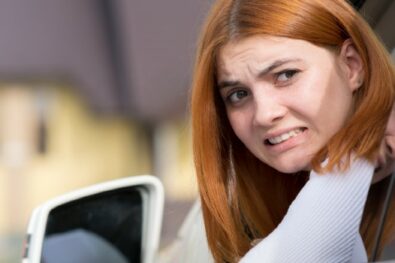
(268, 110)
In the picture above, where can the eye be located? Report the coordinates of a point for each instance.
(236, 96)
(285, 76)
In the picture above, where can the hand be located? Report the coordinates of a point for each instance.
(386, 160)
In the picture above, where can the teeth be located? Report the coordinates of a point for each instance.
(285, 136)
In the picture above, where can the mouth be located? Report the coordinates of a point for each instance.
(284, 136)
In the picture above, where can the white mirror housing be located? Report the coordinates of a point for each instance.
(152, 194)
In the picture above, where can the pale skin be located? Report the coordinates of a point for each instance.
(285, 98)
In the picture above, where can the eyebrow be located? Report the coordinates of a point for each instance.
(274, 65)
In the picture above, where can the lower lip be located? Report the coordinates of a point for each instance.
(288, 144)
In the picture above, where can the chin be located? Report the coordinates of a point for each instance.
(292, 167)
(287, 170)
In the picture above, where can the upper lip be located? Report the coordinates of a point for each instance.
(272, 134)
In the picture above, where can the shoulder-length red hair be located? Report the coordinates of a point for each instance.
(242, 198)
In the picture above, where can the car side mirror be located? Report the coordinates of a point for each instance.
(116, 221)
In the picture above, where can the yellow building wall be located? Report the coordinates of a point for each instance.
(83, 148)
(173, 151)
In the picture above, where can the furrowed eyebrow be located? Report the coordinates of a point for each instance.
(262, 73)
(227, 84)
(275, 65)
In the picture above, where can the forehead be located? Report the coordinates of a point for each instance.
(257, 51)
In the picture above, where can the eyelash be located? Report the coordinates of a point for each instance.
(292, 72)
(228, 98)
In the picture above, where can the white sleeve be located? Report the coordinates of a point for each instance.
(322, 223)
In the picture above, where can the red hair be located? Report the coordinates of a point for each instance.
(243, 198)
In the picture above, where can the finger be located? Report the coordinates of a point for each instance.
(390, 146)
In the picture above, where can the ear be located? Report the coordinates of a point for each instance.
(353, 66)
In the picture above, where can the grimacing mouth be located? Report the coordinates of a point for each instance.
(269, 141)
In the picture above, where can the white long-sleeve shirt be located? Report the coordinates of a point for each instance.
(322, 223)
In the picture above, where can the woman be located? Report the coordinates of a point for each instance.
(282, 88)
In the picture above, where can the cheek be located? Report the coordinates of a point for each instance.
(308, 97)
(333, 104)
(240, 126)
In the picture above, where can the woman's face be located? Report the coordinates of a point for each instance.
(286, 98)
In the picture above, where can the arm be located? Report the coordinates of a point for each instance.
(322, 223)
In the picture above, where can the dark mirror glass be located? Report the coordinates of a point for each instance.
(105, 227)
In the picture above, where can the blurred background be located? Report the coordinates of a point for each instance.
(96, 90)
(91, 91)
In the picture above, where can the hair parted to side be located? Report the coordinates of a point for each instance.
(242, 198)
